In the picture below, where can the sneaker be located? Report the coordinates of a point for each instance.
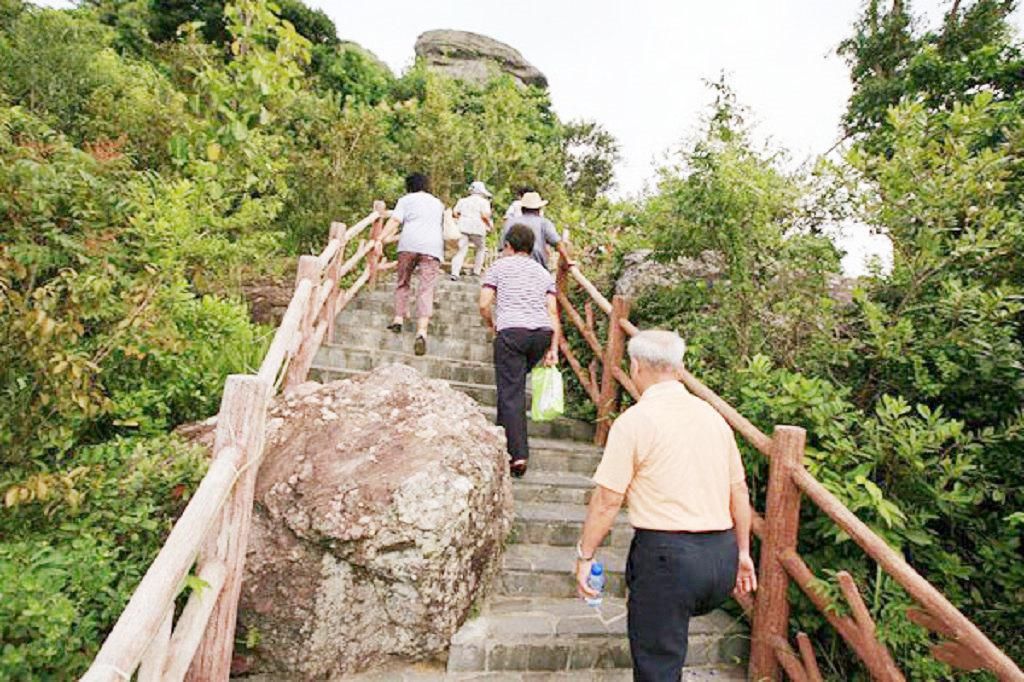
(395, 327)
(453, 278)
(420, 347)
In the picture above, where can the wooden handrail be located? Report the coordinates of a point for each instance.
(285, 335)
(362, 225)
(963, 630)
(967, 647)
(212, 531)
(603, 303)
(123, 647)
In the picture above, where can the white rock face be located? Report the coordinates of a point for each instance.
(475, 58)
(640, 272)
(381, 507)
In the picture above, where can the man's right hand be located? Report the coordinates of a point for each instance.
(746, 574)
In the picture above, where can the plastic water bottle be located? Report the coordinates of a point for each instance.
(596, 582)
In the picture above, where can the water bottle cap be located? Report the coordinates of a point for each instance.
(596, 568)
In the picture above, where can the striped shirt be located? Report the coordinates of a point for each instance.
(521, 286)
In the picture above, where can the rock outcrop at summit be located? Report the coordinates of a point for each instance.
(473, 57)
(381, 508)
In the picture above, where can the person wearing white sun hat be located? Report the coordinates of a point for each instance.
(473, 214)
(544, 231)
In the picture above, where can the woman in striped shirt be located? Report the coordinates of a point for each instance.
(525, 322)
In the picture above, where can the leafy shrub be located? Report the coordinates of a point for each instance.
(911, 393)
(68, 563)
(47, 57)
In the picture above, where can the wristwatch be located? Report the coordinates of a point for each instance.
(579, 553)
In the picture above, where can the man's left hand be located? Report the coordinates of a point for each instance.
(746, 575)
(551, 358)
(584, 590)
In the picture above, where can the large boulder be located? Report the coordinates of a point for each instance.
(640, 272)
(382, 505)
(474, 58)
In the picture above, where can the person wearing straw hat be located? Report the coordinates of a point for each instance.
(473, 214)
(544, 232)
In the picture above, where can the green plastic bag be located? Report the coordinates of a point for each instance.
(548, 400)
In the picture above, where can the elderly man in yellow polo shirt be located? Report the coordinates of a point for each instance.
(674, 460)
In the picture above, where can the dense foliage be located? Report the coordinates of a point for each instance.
(911, 392)
(161, 152)
(154, 156)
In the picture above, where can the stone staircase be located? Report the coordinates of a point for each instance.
(532, 625)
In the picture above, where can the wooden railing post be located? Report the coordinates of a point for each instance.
(562, 287)
(372, 260)
(309, 268)
(608, 402)
(782, 522)
(337, 232)
(240, 424)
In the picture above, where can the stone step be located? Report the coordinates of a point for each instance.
(552, 523)
(351, 321)
(530, 570)
(566, 634)
(540, 485)
(573, 431)
(447, 347)
(335, 356)
(466, 315)
(582, 462)
(461, 295)
(424, 672)
(485, 394)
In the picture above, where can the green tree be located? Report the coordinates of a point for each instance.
(47, 57)
(725, 197)
(973, 50)
(591, 153)
(352, 72)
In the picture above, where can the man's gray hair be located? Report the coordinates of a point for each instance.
(658, 349)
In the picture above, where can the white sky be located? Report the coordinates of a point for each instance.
(638, 67)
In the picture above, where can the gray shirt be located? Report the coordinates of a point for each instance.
(420, 214)
(544, 233)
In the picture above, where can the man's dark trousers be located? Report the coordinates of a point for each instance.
(516, 352)
(671, 577)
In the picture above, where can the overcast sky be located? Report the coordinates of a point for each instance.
(638, 67)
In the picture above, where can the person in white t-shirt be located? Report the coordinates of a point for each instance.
(420, 249)
(473, 214)
(515, 209)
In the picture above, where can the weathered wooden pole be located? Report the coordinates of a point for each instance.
(782, 523)
(298, 367)
(240, 424)
(608, 403)
(372, 259)
(337, 232)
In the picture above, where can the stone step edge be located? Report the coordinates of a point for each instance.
(517, 554)
(346, 348)
(454, 384)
